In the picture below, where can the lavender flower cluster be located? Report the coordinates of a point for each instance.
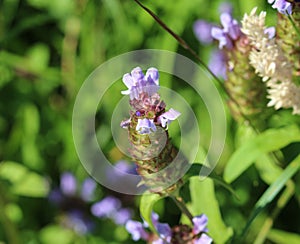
(195, 235)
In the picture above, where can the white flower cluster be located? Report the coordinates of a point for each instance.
(270, 63)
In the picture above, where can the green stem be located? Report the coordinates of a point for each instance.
(181, 205)
(9, 227)
(293, 24)
(282, 201)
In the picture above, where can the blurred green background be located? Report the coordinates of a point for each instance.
(47, 50)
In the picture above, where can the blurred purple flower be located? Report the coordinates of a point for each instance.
(68, 184)
(78, 222)
(202, 30)
(229, 33)
(73, 202)
(283, 6)
(121, 216)
(217, 63)
(106, 207)
(167, 117)
(111, 207)
(138, 83)
(136, 229)
(88, 189)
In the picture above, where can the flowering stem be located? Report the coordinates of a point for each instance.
(294, 24)
(282, 201)
(181, 42)
(181, 205)
(195, 55)
(9, 227)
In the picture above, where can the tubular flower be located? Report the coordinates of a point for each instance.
(151, 148)
(271, 64)
(283, 6)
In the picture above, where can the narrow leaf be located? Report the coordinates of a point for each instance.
(273, 190)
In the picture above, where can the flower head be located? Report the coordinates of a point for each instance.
(138, 83)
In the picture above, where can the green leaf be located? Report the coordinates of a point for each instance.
(56, 234)
(281, 237)
(202, 171)
(273, 190)
(204, 201)
(23, 181)
(268, 141)
(146, 206)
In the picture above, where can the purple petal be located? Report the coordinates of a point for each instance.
(145, 126)
(217, 63)
(137, 75)
(68, 184)
(226, 21)
(128, 81)
(137, 230)
(78, 222)
(270, 32)
(204, 239)
(223, 39)
(164, 230)
(121, 216)
(152, 76)
(200, 223)
(168, 117)
(88, 189)
(202, 30)
(106, 207)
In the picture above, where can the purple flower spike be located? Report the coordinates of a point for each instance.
(68, 184)
(200, 223)
(145, 126)
(167, 117)
(121, 216)
(137, 230)
(88, 189)
(202, 30)
(106, 207)
(204, 239)
(283, 6)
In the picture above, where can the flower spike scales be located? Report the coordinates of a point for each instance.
(151, 148)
